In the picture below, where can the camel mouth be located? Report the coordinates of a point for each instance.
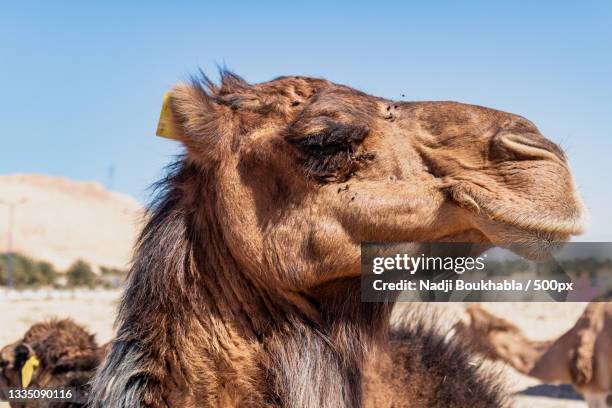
(525, 218)
(545, 226)
(530, 229)
(533, 243)
(529, 244)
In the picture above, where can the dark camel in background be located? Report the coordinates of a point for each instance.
(67, 357)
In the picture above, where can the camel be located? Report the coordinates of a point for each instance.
(582, 356)
(245, 284)
(66, 355)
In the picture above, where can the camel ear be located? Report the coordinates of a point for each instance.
(192, 116)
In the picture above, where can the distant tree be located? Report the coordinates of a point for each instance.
(27, 273)
(106, 270)
(47, 272)
(80, 274)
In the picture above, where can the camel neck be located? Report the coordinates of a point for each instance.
(189, 303)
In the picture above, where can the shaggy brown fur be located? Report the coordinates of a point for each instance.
(422, 368)
(68, 357)
(245, 286)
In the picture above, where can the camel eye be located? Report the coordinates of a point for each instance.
(333, 155)
(335, 139)
(21, 354)
(322, 144)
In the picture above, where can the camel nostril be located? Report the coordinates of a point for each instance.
(523, 147)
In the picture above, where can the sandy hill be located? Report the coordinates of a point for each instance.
(63, 220)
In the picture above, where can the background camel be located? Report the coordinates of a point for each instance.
(67, 354)
(245, 287)
(582, 356)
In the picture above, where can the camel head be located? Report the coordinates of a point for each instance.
(65, 354)
(300, 171)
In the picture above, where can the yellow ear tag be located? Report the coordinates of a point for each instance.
(27, 371)
(166, 127)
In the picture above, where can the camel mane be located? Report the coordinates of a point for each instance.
(181, 270)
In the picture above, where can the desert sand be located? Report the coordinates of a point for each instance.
(96, 311)
(60, 220)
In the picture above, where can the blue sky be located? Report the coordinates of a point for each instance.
(82, 83)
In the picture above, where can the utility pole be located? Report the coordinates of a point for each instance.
(9, 250)
(111, 177)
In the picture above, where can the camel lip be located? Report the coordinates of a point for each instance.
(529, 217)
(553, 229)
(530, 245)
(535, 248)
(534, 222)
(544, 230)
(530, 237)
